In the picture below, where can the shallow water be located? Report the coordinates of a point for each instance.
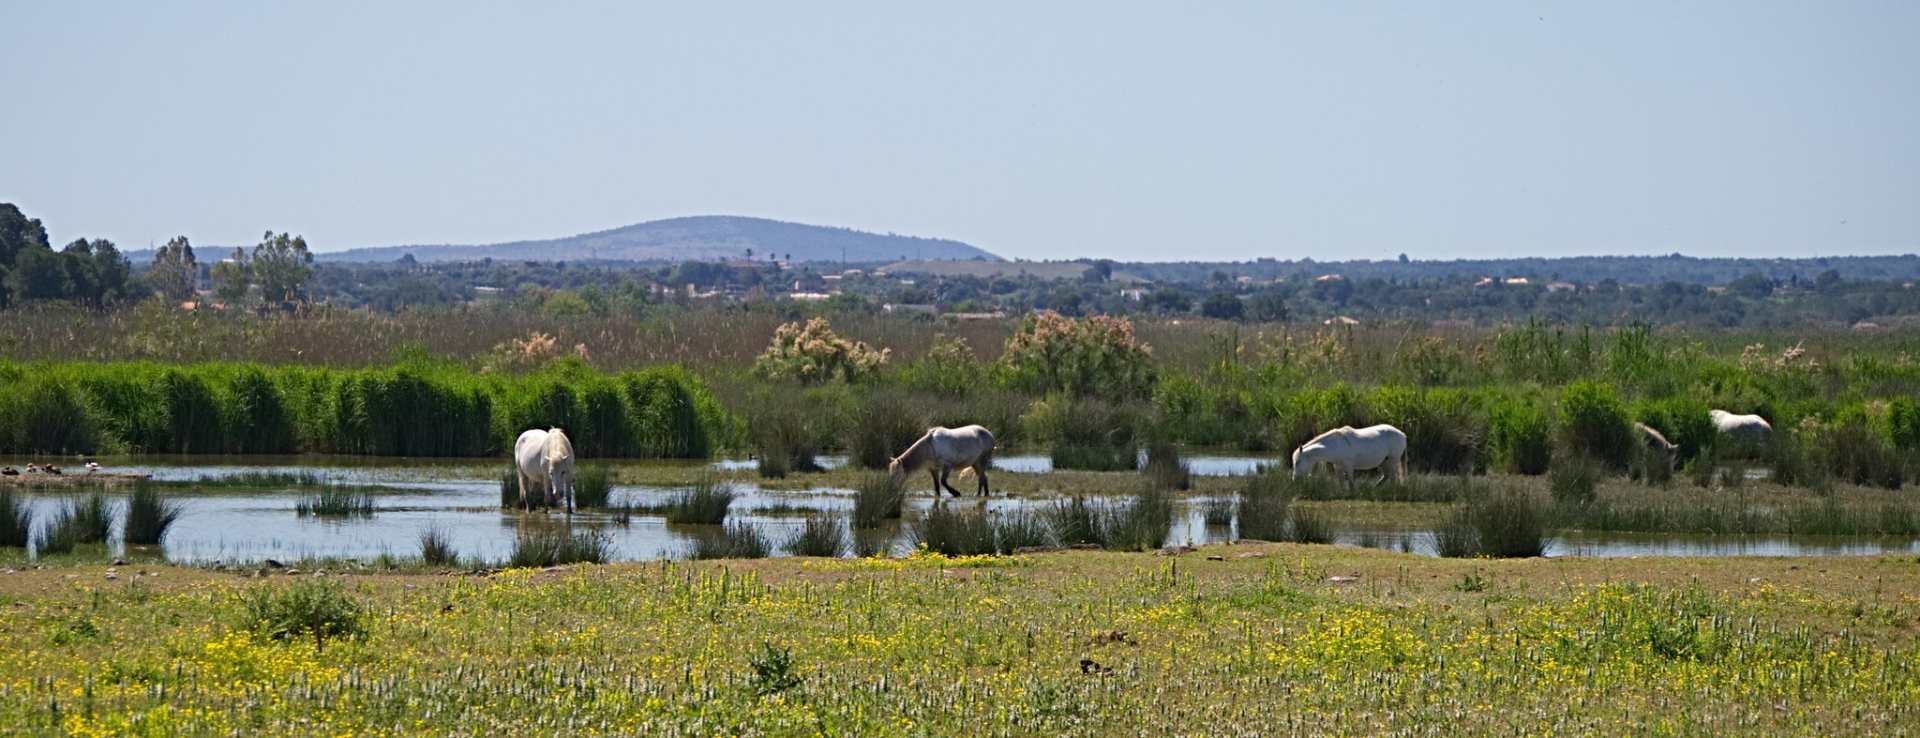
(460, 499)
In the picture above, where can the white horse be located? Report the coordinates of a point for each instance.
(1348, 449)
(1748, 431)
(544, 457)
(943, 450)
(1657, 443)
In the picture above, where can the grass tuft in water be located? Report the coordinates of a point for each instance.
(593, 487)
(705, 503)
(954, 531)
(876, 500)
(92, 519)
(149, 515)
(820, 535)
(436, 549)
(335, 503)
(1510, 524)
(734, 541)
(1165, 469)
(543, 545)
(16, 520)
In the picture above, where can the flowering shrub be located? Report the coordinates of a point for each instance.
(813, 353)
(1098, 354)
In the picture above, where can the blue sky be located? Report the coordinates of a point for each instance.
(1036, 130)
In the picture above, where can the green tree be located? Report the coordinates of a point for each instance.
(174, 271)
(39, 274)
(18, 233)
(1270, 306)
(232, 276)
(281, 265)
(1223, 306)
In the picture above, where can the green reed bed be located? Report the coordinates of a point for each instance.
(417, 408)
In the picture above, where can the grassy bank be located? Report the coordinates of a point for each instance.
(1272, 639)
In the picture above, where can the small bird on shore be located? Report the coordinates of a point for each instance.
(51, 469)
(31, 469)
(93, 466)
(9, 471)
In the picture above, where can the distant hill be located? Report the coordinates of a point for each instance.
(699, 238)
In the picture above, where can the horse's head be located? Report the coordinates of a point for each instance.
(1300, 470)
(896, 470)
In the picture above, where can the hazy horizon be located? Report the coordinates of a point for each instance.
(1063, 131)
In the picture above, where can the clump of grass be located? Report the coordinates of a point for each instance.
(1307, 526)
(735, 541)
(1142, 524)
(91, 519)
(773, 670)
(1264, 501)
(333, 502)
(593, 486)
(954, 532)
(1704, 467)
(1573, 480)
(436, 549)
(16, 520)
(1165, 469)
(555, 546)
(61, 534)
(1796, 461)
(308, 608)
(705, 503)
(1501, 525)
(819, 535)
(510, 488)
(1074, 522)
(867, 543)
(1220, 511)
(268, 479)
(876, 500)
(149, 515)
(1017, 530)
(885, 423)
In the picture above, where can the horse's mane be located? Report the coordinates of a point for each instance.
(1342, 430)
(911, 458)
(558, 446)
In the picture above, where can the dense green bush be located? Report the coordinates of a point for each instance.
(1594, 422)
(1522, 437)
(1086, 433)
(1096, 355)
(305, 609)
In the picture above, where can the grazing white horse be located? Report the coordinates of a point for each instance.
(943, 450)
(1751, 430)
(1657, 443)
(544, 457)
(1740, 427)
(1348, 449)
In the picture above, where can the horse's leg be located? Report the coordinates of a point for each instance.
(985, 490)
(935, 473)
(944, 472)
(526, 498)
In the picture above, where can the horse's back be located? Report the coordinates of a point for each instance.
(529, 450)
(961, 445)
